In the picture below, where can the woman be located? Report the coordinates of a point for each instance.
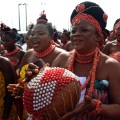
(12, 52)
(68, 46)
(40, 37)
(28, 45)
(65, 36)
(7, 76)
(113, 49)
(111, 37)
(98, 73)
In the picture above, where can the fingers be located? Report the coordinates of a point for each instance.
(66, 116)
(11, 87)
(16, 89)
(32, 69)
(87, 99)
(33, 66)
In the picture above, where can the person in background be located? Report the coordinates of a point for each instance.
(111, 38)
(55, 37)
(7, 76)
(28, 44)
(17, 35)
(12, 52)
(101, 42)
(113, 49)
(65, 37)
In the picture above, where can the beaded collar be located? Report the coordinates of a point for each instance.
(91, 76)
(11, 53)
(45, 52)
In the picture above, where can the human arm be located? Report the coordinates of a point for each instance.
(112, 110)
(9, 77)
(12, 87)
(106, 49)
(87, 105)
(32, 70)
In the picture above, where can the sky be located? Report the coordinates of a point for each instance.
(57, 11)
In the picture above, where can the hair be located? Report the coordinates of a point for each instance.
(43, 20)
(14, 29)
(106, 33)
(66, 33)
(4, 28)
(11, 34)
(116, 21)
(7, 31)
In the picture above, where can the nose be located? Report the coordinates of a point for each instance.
(77, 34)
(33, 37)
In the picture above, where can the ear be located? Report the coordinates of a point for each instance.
(97, 37)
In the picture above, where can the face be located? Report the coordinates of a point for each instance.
(7, 41)
(83, 36)
(64, 38)
(112, 36)
(117, 32)
(40, 37)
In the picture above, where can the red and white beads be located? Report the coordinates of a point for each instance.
(40, 90)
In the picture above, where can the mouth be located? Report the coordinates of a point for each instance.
(35, 45)
(77, 41)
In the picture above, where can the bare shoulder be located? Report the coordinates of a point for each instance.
(59, 50)
(29, 52)
(111, 65)
(62, 59)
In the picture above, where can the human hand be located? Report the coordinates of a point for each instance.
(87, 105)
(16, 89)
(33, 69)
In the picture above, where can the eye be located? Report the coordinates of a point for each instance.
(73, 31)
(84, 30)
(41, 33)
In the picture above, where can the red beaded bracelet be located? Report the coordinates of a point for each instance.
(97, 110)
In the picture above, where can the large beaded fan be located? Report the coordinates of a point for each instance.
(51, 94)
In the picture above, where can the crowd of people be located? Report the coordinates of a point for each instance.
(89, 51)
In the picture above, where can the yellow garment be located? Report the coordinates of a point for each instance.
(13, 112)
(23, 71)
(22, 76)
